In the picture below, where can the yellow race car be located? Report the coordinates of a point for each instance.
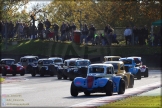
(120, 71)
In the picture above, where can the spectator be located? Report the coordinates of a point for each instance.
(10, 29)
(140, 35)
(47, 24)
(20, 30)
(135, 33)
(114, 40)
(73, 28)
(26, 31)
(146, 32)
(84, 32)
(127, 34)
(40, 29)
(67, 31)
(56, 28)
(2, 29)
(91, 34)
(63, 30)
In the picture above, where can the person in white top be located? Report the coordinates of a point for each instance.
(127, 34)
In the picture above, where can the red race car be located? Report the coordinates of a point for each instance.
(8, 66)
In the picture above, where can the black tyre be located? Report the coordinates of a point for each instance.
(33, 72)
(73, 90)
(14, 73)
(23, 72)
(52, 70)
(59, 75)
(121, 87)
(131, 81)
(146, 73)
(64, 77)
(4, 72)
(87, 93)
(42, 72)
(29, 69)
(126, 81)
(109, 88)
(139, 75)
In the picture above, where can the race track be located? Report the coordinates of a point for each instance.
(51, 92)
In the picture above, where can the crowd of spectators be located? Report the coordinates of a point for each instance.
(46, 30)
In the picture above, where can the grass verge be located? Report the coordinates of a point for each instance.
(136, 102)
(1, 79)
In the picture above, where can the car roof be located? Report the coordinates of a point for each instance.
(43, 59)
(83, 60)
(74, 59)
(112, 57)
(7, 59)
(101, 64)
(132, 58)
(55, 58)
(29, 57)
(113, 62)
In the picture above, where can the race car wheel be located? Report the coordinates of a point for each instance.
(131, 83)
(73, 90)
(29, 69)
(139, 75)
(52, 70)
(59, 76)
(87, 93)
(121, 87)
(33, 73)
(126, 81)
(146, 73)
(64, 77)
(23, 72)
(109, 88)
(4, 72)
(42, 72)
(14, 73)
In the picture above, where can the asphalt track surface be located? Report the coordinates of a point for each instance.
(50, 92)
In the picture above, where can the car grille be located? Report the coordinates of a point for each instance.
(90, 80)
(14, 67)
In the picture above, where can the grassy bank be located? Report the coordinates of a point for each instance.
(136, 102)
(48, 48)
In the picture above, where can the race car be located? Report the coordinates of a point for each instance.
(100, 78)
(68, 64)
(44, 67)
(79, 70)
(8, 66)
(134, 66)
(119, 70)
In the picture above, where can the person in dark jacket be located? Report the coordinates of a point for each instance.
(90, 37)
(40, 29)
(84, 32)
(56, 29)
(135, 33)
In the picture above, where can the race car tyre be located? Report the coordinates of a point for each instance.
(14, 73)
(4, 72)
(64, 77)
(139, 75)
(42, 72)
(87, 93)
(52, 70)
(59, 76)
(71, 79)
(121, 87)
(23, 72)
(109, 88)
(126, 81)
(29, 69)
(146, 73)
(33, 73)
(73, 90)
(131, 83)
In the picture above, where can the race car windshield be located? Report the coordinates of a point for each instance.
(72, 63)
(82, 63)
(96, 70)
(57, 60)
(127, 61)
(47, 61)
(10, 62)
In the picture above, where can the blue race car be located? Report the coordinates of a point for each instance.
(135, 67)
(100, 78)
